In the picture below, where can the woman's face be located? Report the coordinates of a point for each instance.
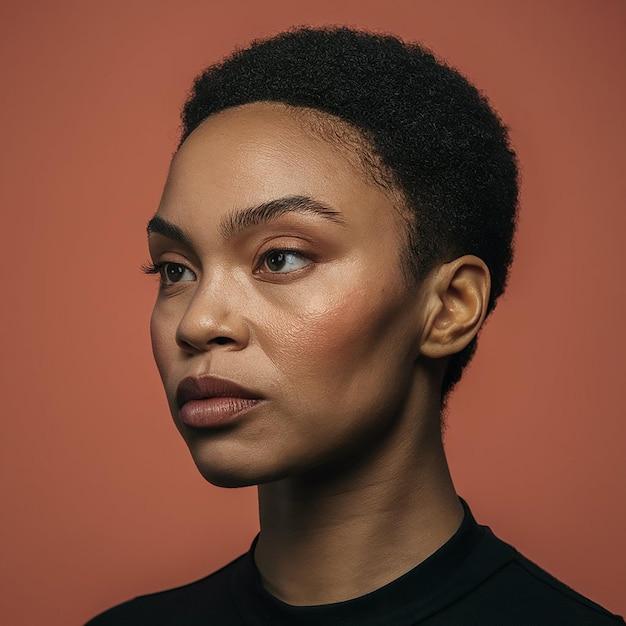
(282, 307)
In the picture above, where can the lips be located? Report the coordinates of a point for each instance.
(210, 402)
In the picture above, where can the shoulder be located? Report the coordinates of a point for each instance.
(523, 593)
(205, 601)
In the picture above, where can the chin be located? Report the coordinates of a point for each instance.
(225, 478)
(232, 474)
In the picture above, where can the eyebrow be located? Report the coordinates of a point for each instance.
(245, 219)
(167, 229)
(237, 222)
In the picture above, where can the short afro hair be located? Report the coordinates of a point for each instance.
(447, 150)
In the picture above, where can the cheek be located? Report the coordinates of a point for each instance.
(338, 337)
(163, 338)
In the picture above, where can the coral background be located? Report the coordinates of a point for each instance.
(100, 498)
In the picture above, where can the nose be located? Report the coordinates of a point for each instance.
(214, 317)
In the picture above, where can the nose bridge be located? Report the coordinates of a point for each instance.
(215, 314)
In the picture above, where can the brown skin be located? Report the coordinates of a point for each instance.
(348, 358)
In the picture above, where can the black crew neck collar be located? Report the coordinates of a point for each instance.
(398, 602)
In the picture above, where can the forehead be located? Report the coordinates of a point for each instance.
(256, 152)
(304, 123)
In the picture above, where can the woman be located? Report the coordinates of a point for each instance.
(336, 226)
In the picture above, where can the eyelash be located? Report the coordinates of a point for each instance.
(151, 268)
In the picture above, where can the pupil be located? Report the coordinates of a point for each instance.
(276, 261)
(174, 272)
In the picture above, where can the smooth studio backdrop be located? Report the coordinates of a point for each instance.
(100, 500)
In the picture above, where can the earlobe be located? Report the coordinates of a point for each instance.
(457, 306)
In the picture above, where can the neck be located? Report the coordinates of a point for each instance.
(332, 536)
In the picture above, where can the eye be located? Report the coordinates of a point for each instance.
(175, 273)
(170, 273)
(282, 262)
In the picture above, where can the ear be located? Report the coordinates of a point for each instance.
(457, 306)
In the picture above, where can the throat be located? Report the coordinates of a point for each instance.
(326, 544)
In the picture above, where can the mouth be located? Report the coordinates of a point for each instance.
(210, 402)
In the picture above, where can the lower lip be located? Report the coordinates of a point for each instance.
(214, 412)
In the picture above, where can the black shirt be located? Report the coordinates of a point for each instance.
(473, 579)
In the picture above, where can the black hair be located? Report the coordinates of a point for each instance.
(448, 152)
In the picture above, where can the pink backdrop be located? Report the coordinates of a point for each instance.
(100, 498)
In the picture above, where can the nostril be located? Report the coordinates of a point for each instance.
(220, 341)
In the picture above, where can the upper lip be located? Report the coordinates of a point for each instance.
(203, 387)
